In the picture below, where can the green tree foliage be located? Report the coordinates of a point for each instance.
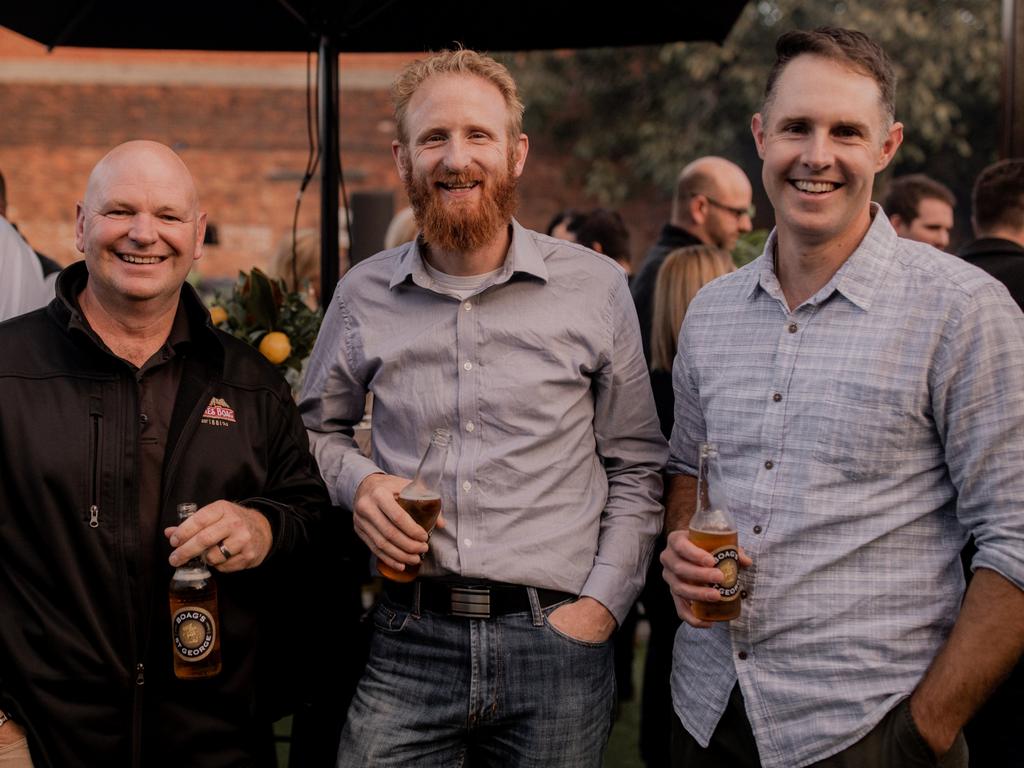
(630, 118)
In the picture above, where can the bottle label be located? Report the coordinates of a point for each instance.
(727, 560)
(194, 631)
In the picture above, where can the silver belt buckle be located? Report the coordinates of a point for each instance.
(471, 602)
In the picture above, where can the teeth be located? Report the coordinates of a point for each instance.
(140, 259)
(815, 186)
(469, 185)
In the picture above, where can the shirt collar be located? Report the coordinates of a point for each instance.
(524, 257)
(857, 279)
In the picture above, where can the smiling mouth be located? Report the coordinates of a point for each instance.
(815, 187)
(131, 258)
(457, 186)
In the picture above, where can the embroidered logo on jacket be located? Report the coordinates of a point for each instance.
(218, 413)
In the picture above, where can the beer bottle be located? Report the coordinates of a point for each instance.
(713, 529)
(422, 498)
(195, 623)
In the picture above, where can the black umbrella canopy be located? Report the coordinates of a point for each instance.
(360, 26)
(365, 25)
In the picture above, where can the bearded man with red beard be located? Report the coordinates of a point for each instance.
(527, 349)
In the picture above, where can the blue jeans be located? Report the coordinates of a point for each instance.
(509, 692)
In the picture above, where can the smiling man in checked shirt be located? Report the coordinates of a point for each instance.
(866, 394)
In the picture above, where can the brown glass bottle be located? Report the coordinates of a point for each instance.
(422, 498)
(713, 529)
(195, 621)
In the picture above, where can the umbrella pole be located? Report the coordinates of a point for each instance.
(327, 76)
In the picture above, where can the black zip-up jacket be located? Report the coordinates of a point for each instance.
(85, 642)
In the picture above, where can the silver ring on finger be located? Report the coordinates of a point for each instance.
(224, 551)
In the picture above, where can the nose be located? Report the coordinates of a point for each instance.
(457, 156)
(817, 152)
(143, 230)
(942, 240)
(745, 223)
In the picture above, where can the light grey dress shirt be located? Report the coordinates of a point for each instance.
(22, 288)
(862, 436)
(553, 479)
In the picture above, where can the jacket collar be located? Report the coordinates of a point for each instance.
(65, 310)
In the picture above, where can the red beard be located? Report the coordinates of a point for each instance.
(461, 227)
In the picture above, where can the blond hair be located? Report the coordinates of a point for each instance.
(684, 272)
(459, 62)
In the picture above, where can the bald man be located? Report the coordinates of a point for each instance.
(120, 402)
(711, 205)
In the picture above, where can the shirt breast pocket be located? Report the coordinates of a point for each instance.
(863, 428)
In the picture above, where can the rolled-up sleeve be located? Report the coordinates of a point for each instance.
(978, 397)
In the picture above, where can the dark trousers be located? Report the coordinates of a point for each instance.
(893, 743)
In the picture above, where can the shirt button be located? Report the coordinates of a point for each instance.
(468, 542)
(758, 529)
(470, 426)
(468, 305)
(742, 655)
(468, 366)
(776, 397)
(769, 464)
(792, 327)
(467, 485)
(743, 594)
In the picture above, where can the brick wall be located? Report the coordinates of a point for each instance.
(239, 122)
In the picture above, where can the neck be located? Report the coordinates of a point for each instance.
(479, 261)
(804, 265)
(134, 331)
(1005, 233)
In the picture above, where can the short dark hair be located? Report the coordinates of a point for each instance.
(998, 196)
(570, 216)
(846, 46)
(607, 228)
(905, 194)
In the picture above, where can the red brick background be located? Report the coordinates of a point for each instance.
(239, 122)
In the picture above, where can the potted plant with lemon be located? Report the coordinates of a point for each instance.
(262, 312)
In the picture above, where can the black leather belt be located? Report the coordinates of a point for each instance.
(471, 600)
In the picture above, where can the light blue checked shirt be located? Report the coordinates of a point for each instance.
(554, 475)
(861, 437)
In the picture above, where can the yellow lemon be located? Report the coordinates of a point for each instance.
(275, 347)
(218, 315)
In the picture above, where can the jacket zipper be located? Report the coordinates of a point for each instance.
(95, 446)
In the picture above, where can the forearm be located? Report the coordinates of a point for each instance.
(986, 642)
(680, 501)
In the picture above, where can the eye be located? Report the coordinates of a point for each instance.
(434, 138)
(847, 132)
(795, 127)
(169, 217)
(117, 213)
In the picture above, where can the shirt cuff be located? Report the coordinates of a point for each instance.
(614, 589)
(357, 468)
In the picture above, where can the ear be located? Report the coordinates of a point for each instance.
(80, 226)
(522, 150)
(892, 142)
(200, 236)
(757, 129)
(697, 208)
(897, 223)
(398, 151)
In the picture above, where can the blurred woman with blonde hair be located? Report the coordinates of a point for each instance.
(684, 272)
